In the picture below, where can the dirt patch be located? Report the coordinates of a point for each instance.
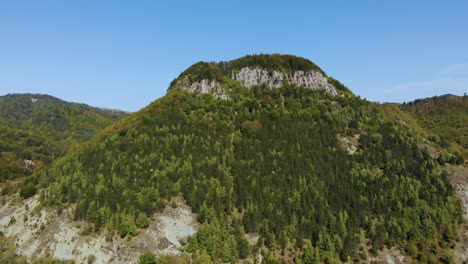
(252, 238)
(431, 149)
(45, 232)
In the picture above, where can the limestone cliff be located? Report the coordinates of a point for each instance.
(250, 77)
(203, 86)
(269, 71)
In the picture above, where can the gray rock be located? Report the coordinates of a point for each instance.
(28, 164)
(203, 87)
(250, 77)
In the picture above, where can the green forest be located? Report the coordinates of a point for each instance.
(445, 116)
(294, 174)
(266, 162)
(41, 128)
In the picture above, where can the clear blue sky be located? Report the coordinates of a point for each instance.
(124, 54)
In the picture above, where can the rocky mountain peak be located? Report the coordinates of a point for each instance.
(268, 71)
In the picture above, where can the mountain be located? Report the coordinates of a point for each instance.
(278, 161)
(36, 129)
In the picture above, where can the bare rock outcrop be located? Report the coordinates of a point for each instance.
(250, 77)
(46, 232)
(28, 164)
(203, 87)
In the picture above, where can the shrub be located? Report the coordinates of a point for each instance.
(147, 258)
(91, 259)
(251, 126)
(28, 191)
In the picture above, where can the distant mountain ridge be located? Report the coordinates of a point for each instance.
(24, 99)
(446, 116)
(37, 128)
(436, 98)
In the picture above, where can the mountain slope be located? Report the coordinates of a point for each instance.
(446, 116)
(439, 122)
(314, 171)
(36, 129)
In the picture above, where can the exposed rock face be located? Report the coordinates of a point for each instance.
(203, 87)
(28, 164)
(350, 144)
(459, 180)
(45, 232)
(249, 77)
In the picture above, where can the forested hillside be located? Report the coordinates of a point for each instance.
(37, 129)
(319, 177)
(446, 116)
